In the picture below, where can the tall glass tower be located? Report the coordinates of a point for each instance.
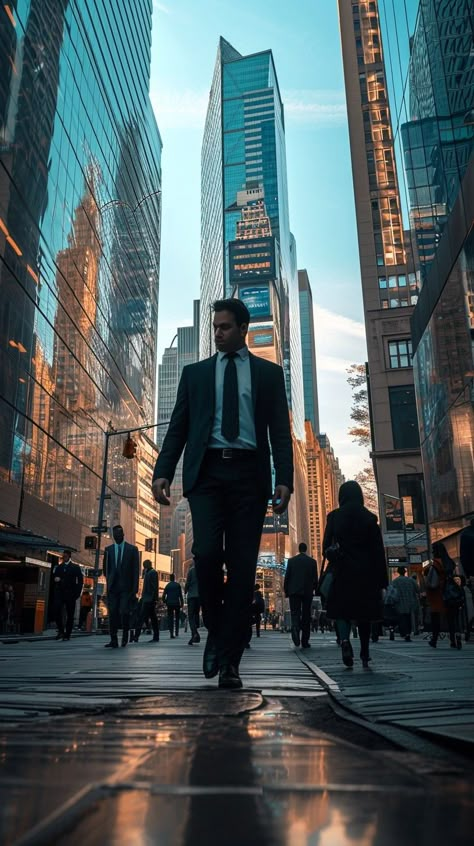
(246, 244)
(80, 185)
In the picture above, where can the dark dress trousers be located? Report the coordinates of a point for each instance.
(122, 585)
(173, 599)
(227, 497)
(148, 600)
(66, 593)
(301, 579)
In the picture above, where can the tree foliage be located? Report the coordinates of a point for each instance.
(360, 432)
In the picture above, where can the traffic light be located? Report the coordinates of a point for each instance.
(90, 542)
(129, 447)
(150, 544)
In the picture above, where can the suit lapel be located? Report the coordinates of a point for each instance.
(254, 374)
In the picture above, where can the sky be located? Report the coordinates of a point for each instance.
(304, 38)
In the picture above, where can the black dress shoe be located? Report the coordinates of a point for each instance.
(295, 635)
(112, 645)
(59, 636)
(229, 678)
(154, 640)
(210, 665)
(305, 646)
(197, 638)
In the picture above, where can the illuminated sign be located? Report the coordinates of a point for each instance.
(257, 300)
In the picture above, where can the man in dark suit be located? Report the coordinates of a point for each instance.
(68, 581)
(301, 579)
(173, 599)
(227, 408)
(121, 568)
(147, 602)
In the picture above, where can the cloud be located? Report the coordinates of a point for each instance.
(180, 109)
(319, 107)
(186, 108)
(333, 324)
(160, 7)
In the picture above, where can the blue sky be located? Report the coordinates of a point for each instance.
(304, 37)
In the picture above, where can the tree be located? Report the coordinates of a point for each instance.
(360, 405)
(361, 432)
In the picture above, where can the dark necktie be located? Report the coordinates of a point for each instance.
(230, 427)
(119, 558)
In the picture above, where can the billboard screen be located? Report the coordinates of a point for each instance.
(257, 300)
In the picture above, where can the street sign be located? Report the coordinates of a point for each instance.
(98, 530)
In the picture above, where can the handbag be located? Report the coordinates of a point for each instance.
(432, 578)
(325, 583)
(453, 594)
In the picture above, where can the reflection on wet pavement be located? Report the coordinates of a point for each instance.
(255, 778)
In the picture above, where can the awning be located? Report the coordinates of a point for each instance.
(10, 537)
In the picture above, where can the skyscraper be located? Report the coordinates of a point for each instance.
(390, 282)
(433, 87)
(308, 347)
(80, 180)
(247, 248)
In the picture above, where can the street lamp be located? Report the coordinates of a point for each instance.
(100, 528)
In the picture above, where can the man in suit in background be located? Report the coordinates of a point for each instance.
(227, 407)
(173, 599)
(301, 579)
(68, 581)
(121, 570)
(191, 590)
(147, 601)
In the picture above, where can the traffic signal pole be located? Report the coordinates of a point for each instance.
(101, 529)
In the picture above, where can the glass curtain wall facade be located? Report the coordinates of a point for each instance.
(390, 283)
(308, 347)
(80, 184)
(247, 248)
(431, 44)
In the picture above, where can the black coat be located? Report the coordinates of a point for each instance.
(301, 576)
(150, 586)
(71, 580)
(125, 581)
(467, 551)
(173, 595)
(193, 416)
(360, 576)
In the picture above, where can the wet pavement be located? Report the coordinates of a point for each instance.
(194, 765)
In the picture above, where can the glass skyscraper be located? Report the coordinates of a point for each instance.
(432, 87)
(247, 248)
(80, 184)
(245, 199)
(308, 347)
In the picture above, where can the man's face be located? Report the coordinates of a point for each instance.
(227, 335)
(65, 557)
(117, 532)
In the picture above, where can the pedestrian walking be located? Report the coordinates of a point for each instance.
(147, 610)
(417, 612)
(68, 581)
(353, 544)
(441, 596)
(86, 606)
(121, 570)
(301, 579)
(228, 407)
(173, 599)
(191, 590)
(407, 602)
(466, 554)
(256, 610)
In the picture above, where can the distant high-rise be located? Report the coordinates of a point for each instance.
(308, 348)
(390, 283)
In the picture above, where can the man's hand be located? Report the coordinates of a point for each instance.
(161, 491)
(280, 499)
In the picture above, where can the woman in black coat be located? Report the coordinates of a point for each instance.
(360, 573)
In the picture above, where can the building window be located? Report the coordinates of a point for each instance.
(404, 420)
(400, 353)
(410, 488)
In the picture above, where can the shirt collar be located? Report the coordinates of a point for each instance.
(243, 353)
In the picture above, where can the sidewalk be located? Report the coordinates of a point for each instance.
(409, 686)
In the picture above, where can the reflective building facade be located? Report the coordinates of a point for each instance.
(80, 184)
(389, 275)
(433, 88)
(247, 249)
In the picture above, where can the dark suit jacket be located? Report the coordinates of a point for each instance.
(71, 582)
(150, 586)
(127, 580)
(173, 595)
(467, 551)
(301, 576)
(193, 416)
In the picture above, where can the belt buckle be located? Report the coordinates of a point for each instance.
(227, 452)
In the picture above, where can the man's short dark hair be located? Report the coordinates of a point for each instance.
(236, 307)
(117, 526)
(172, 577)
(257, 586)
(401, 570)
(302, 547)
(148, 561)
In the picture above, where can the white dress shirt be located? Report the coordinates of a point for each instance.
(247, 438)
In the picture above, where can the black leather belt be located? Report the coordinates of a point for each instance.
(229, 453)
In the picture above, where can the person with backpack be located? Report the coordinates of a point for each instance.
(444, 596)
